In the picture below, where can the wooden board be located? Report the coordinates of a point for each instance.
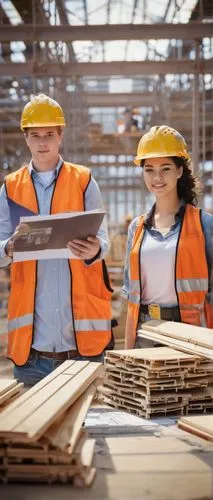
(6, 384)
(37, 409)
(199, 422)
(11, 392)
(64, 433)
(176, 343)
(196, 335)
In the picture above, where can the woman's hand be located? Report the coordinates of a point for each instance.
(85, 249)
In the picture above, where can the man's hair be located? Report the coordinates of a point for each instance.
(58, 128)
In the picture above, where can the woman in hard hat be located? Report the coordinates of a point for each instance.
(169, 261)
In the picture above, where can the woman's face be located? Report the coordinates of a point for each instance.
(161, 175)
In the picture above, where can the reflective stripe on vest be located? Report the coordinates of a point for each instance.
(83, 325)
(191, 274)
(25, 320)
(91, 297)
(192, 285)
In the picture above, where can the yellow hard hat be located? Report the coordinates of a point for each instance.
(42, 111)
(161, 141)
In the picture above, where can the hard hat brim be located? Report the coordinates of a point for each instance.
(43, 125)
(137, 159)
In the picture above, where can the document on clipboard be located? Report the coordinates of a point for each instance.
(46, 237)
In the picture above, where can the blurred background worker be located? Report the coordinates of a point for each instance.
(118, 241)
(169, 262)
(58, 309)
(132, 119)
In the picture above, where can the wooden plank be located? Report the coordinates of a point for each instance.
(6, 384)
(39, 421)
(177, 344)
(200, 422)
(38, 397)
(7, 395)
(37, 387)
(34, 424)
(85, 451)
(65, 433)
(196, 335)
(197, 432)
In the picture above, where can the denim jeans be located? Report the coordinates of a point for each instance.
(38, 367)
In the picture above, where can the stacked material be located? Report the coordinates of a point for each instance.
(187, 338)
(200, 425)
(9, 390)
(41, 435)
(157, 381)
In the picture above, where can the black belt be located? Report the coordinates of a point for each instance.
(56, 355)
(159, 312)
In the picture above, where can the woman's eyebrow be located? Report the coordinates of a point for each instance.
(162, 165)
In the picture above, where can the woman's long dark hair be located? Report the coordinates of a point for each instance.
(188, 186)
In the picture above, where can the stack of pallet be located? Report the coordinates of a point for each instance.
(157, 381)
(41, 434)
(9, 390)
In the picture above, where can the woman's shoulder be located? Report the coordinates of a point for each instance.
(207, 219)
(136, 221)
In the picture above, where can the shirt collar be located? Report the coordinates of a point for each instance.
(32, 170)
(178, 215)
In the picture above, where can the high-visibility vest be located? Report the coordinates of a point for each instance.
(191, 275)
(90, 299)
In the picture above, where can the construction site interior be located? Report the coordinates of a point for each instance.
(117, 67)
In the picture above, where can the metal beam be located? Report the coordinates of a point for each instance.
(64, 20)
(115, 68)
(85, 11)
(26, 32)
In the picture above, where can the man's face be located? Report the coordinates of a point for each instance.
(44, 144)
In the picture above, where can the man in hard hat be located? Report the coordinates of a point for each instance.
(58, 309)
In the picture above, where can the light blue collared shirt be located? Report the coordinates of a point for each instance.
(53, 321)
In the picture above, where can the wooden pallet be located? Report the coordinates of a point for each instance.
(157, 380)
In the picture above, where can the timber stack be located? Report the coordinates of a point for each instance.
(157, 381)
(41, 433)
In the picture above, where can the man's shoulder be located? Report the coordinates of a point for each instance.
(13, 176)
(76, 167)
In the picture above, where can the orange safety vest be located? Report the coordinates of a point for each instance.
(191, 275)
(90, 291)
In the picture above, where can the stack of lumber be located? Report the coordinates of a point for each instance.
(9, 390)
(157, 381)
(200, 425)
(186, 338)
(41, 434)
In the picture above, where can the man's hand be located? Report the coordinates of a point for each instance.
(85, 249)
(20, 230)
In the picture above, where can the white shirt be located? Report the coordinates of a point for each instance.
(157, 261)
